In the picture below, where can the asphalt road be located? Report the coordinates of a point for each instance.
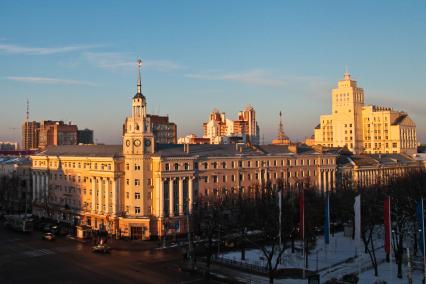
(26, 258)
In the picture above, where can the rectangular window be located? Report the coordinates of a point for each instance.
(137, 182)
(137, 195)
(137, 167)
(137, 210)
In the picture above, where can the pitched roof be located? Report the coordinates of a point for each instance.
(83, 150)
(203, 150)
(399, 119)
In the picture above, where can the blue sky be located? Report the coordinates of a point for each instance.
(75, 60)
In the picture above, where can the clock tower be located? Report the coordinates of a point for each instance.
(138, 146)
(137, 134)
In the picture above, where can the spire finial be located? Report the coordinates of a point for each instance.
(139, 64)
(347, 75)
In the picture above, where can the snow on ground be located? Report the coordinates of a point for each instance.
(387, 272)
(340, 249)
(342, 256)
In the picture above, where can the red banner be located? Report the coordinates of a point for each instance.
(387, 222)
(302, 214)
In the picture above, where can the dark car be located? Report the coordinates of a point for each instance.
(48, 237)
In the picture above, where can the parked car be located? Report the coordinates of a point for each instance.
(48, 237)
(54, 229)
(101, 248)
(46, 228)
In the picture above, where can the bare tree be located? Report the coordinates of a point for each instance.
(372, 216)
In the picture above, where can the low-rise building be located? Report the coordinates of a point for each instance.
(8, 146)
(15, 184)
(364, 170)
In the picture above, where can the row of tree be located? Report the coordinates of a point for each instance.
(269, 218)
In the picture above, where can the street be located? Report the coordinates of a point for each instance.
(26, 258)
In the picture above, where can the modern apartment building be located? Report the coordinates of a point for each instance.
(30, 135)
(56, 133)
(221, 130)
(165, 132)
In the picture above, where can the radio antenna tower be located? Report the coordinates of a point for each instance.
(28, 110)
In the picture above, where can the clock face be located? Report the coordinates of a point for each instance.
(137, 142)
(147, 142)
(127, 143)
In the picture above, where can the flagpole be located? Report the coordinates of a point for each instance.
(423, 238)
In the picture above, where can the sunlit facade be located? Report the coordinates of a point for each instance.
(364, 129)
(143, 189)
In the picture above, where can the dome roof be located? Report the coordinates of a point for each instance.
(139, 96)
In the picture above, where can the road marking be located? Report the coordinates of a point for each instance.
(37, 252)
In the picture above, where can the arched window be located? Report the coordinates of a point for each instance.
(186, 166)
(176, 166)
(137, 127)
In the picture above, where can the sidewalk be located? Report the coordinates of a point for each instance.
(132, 245)
(225, 274)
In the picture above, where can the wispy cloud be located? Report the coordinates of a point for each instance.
(115, 60)
(29, 50)
(251, 77)
(47, 80)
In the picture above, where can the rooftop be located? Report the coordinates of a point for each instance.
(83, 150)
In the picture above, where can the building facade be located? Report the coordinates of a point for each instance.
(143, 189)
(8, 146)
(221, 130)
(30, 135)
(164, 131)
(15, 184)
(374, 170)
(364, 129)
(56, 133)
(85, 136)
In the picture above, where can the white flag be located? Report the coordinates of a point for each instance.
(357, 209)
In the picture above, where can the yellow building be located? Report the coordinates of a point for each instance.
(142, 189)
(364, 129)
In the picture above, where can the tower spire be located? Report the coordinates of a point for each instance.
(281, 134)
(139, 64)
(347, 74)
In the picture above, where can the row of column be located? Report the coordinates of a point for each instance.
(371, 177)
(326, 179)
(171, 196)
(40, 186)
(101, 195)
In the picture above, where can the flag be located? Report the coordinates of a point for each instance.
(357, 209)
(327, 219)
(387, 223)
(302, 214)
(421, 220)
